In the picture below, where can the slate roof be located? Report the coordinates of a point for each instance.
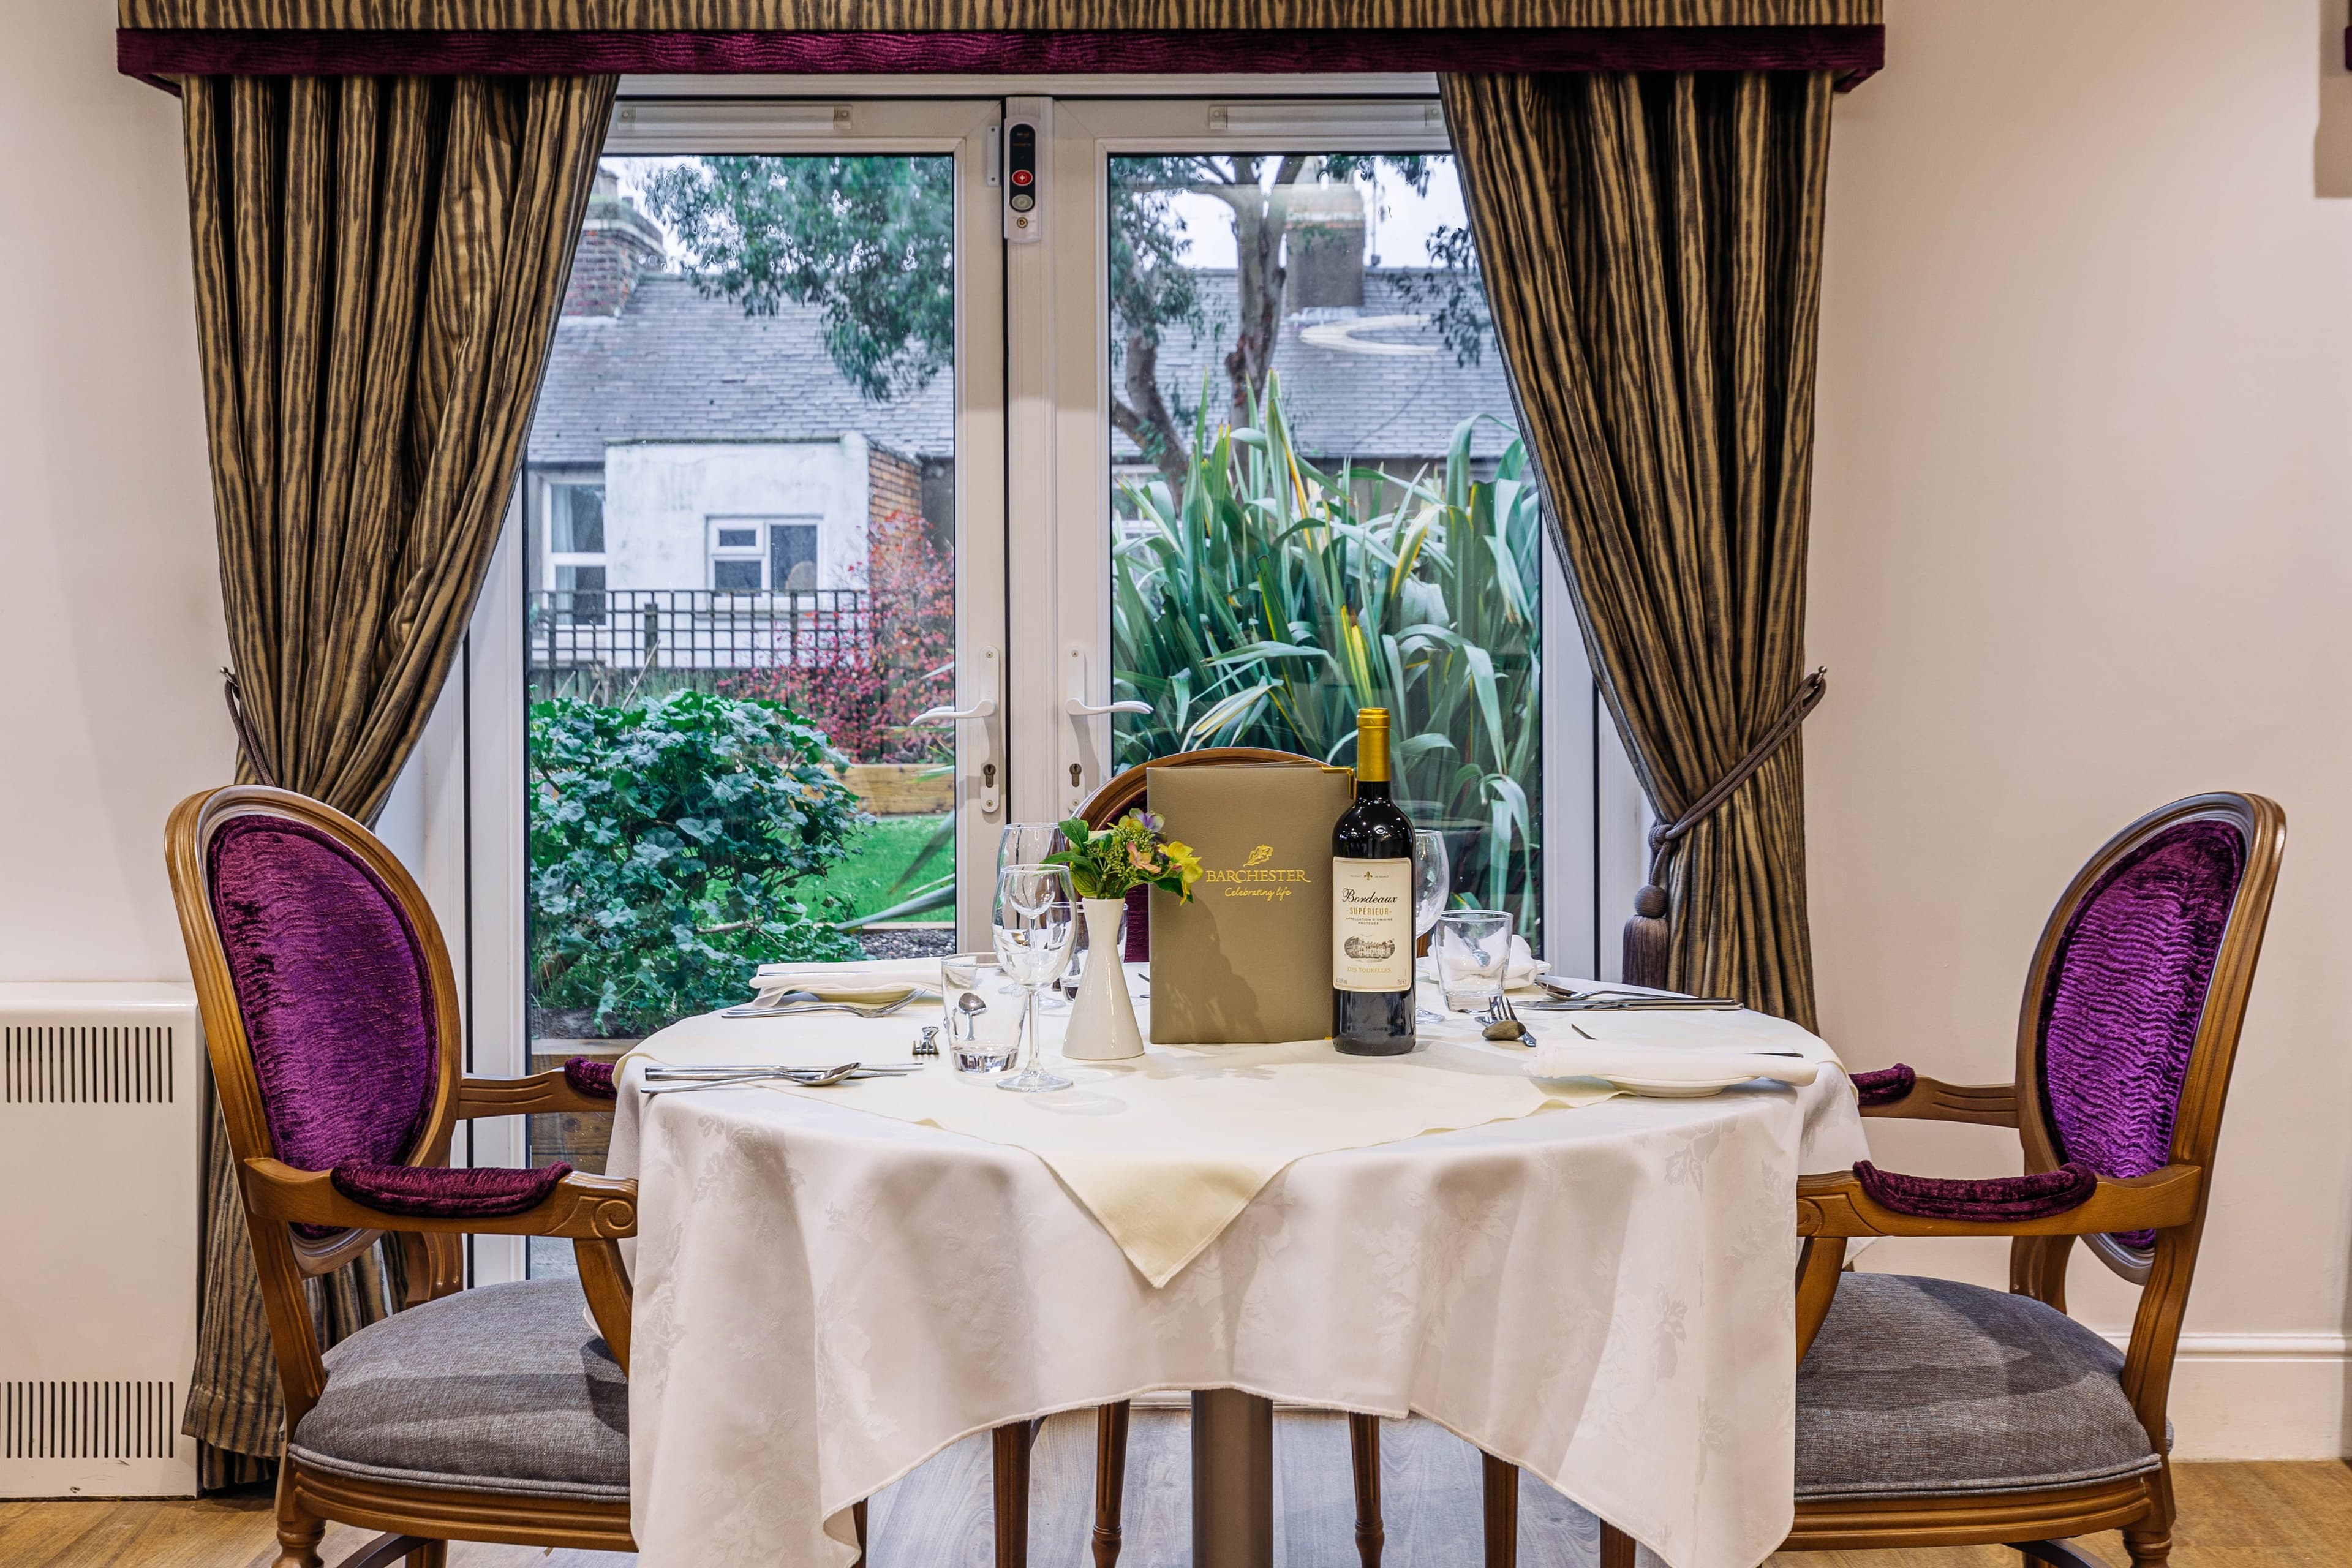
(676, 367)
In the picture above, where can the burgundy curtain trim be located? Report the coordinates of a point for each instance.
(151, 53)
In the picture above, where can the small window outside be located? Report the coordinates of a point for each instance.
(576, 551)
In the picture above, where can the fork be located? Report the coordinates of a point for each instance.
(821, 1079)
(1506, 1025)
(753, 1010)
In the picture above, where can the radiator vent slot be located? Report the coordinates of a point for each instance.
(119, 1420)
(94, 1063)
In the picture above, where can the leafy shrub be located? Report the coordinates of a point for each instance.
(664, 843)
(1270, 600)
(864, 688)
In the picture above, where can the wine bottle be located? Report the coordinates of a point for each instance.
(1372, 1002)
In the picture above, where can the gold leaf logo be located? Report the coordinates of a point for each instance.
(1259, 856)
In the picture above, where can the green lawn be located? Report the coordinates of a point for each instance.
(880, 855)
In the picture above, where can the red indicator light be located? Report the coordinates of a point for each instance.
(1021, 176)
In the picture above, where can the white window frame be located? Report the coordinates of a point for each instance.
(550, 557)
(1060, 473)
(714, 552)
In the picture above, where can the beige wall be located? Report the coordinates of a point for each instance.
(110, 599)
(2082, 544)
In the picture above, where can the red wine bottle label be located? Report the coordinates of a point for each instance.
(1371, 925)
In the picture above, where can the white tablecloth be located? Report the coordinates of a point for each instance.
(824, 1298)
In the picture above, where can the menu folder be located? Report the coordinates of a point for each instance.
(1248, 960)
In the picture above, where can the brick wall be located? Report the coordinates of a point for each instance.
(893, 484)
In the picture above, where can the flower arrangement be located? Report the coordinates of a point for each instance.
(1130, 852)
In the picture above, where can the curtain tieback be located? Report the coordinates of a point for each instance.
(1647, 933)
(245, 741)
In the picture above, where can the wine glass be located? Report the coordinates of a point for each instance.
(1028, 844)
(1036, 912)
(1433, 883)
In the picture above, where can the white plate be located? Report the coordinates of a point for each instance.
(1674, 1087)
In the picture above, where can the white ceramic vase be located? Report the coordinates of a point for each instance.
(1102, 1025)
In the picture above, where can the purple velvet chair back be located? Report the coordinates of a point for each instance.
(2125, 994)
(334, 988)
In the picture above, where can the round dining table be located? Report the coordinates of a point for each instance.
(825, 1297)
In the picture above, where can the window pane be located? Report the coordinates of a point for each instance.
(1321, 501)
(578, 521)
(743, 339)
(791, 556)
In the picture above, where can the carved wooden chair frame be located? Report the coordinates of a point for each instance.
(596, 1213)
(2171, 1202)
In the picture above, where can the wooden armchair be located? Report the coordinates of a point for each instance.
(1931, 1413)
(332, 1022)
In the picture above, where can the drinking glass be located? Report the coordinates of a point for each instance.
(1028, 844)
(1433, 883)
(1472, 948)
(983, 1028)
(1035, 915)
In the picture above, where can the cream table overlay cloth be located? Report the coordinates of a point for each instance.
(1163, 1151)
(827, 1297)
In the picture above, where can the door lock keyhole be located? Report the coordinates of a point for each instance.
(1078, 776)
(988, 775)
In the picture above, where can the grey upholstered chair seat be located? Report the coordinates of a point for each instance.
(1927, 1388)
(504, 1388)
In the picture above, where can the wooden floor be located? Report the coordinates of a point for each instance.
(2273, 1515)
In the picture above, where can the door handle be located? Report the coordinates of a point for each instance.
(1077, 710)
(986, 786)
(983, 708)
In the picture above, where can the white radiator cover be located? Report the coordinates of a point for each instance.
(101, 1181)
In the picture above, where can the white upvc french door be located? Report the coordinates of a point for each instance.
(966, 130)
(1585, 808)
(1034, 462)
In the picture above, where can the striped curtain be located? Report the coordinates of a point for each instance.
(1651, 250)
(379, 265)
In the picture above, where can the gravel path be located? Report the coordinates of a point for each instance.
(907, 941)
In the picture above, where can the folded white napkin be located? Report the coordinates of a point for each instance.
(1519, 971)
(866, 980)
(1662, 1064)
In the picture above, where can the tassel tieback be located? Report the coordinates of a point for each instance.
(1649, 947)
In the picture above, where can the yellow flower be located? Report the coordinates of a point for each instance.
(1187, 864)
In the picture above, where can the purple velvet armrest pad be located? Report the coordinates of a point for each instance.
(1885, 1086)
(592, 1078)
(2036, 1197)
(436, 1192)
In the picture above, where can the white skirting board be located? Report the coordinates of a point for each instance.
(2262, 1396)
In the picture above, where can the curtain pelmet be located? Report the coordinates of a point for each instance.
(1650, 246)
(379, 265)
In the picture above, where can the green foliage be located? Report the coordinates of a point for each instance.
(869, 240)
(1272, 600)
(1110, 862)
(664, 843)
